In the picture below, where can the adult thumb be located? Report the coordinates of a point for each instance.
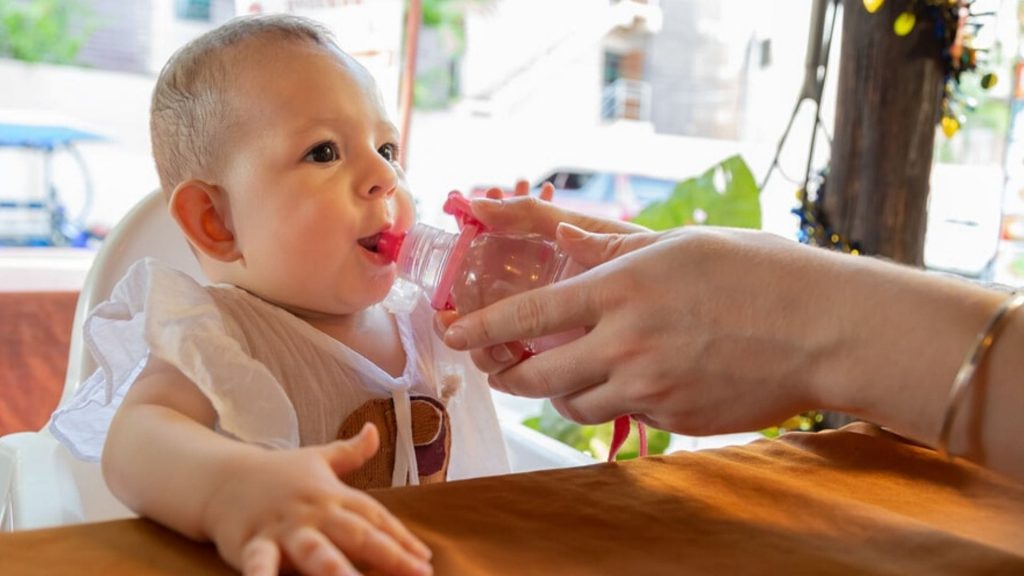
(589, 249)
(345, 456)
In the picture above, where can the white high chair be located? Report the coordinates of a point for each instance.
(42, 484)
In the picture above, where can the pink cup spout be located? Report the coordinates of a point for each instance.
(389, 245)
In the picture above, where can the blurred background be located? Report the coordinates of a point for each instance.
(504, 89)
(616, 102)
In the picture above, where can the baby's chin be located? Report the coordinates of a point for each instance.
(322, 314)
(327, 304)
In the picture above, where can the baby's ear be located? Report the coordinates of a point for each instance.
(201, 210)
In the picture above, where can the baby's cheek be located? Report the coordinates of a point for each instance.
(405, 209)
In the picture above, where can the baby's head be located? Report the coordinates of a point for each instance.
(280, 164)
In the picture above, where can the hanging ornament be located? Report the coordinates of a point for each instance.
(950, 126)
(953, 23)
(815, 229)
(872, 6)
(904, 23)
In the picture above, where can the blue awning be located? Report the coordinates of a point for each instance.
(42, 137)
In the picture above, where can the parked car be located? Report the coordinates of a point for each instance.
(604, 194)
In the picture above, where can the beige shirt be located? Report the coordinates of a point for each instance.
(272, 378)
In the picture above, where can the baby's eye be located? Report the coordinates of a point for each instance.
(389, 152)
(322, 153)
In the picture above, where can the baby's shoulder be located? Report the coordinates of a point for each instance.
(166, 296)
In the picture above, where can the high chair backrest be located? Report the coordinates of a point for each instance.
(147, 230)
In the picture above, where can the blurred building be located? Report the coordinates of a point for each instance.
(702, 68)
(683, 67)
(140, 36)
(575, 61)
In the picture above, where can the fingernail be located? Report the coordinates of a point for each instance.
(455, 338)
(569, 232)
(497, 385)
(501, 354)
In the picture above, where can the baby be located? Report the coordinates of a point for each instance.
(249, 412)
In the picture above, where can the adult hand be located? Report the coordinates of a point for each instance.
(703, 331)
(526, 214)
(697, 330)
(287, 509)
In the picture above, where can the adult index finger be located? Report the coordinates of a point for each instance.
(540, 312)
(565, 370)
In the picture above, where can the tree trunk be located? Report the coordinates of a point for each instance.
(890, 89)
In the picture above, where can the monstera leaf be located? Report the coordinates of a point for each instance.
(725, 195)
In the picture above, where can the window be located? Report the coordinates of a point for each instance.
(612, 67)
(193, 10)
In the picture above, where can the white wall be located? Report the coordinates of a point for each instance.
(537, 59)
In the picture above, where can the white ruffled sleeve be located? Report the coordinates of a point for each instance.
(159, 311)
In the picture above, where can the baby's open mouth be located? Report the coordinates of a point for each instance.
(370, 242)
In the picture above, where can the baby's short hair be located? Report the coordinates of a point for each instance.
(190, 109)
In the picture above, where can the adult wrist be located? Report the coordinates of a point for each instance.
(968, 373)
(905, 338)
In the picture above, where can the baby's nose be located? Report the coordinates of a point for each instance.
(384, 190)
(379, 180)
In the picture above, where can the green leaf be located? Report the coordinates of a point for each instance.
(595, 440)
(725, 195)
(44, 30)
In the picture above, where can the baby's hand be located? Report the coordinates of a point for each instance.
(287, 509)
(522, 188)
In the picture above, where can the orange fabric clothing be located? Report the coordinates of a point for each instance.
(853, 501)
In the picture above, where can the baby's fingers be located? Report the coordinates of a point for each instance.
(547, 192)
(521, 188)
(382, 547)
(260, 557)
(347, 455)
(366, 509)
(313, 554)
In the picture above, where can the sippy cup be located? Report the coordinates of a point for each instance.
(476, 267)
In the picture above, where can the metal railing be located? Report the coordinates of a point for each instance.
(626, 99)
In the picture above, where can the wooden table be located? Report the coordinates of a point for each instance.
(854, 501)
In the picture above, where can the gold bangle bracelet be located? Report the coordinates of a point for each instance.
(975, 356)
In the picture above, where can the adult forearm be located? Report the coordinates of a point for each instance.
(705, 331)
(144, 464)
(903, 336)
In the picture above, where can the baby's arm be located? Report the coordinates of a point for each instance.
(264, 509)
